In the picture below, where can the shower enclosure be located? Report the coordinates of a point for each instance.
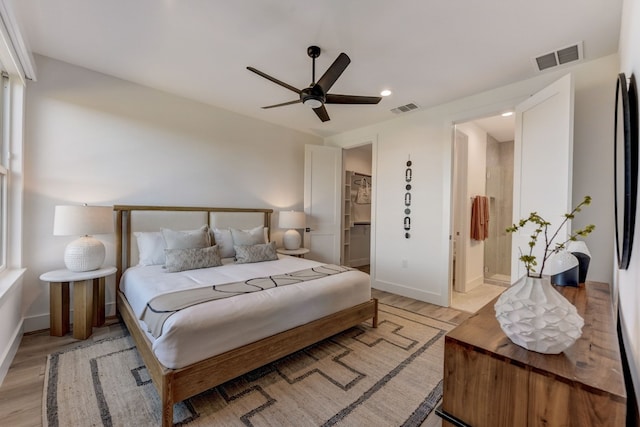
(499, 184)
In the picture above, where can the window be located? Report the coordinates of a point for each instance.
(4, 170)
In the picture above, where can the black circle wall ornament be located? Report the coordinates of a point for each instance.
(408, 176)
(625, 167)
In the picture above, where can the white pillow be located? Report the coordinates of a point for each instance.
(225, 239)
(186, 239)
(222, 238)
(151, 247)
(254, 236)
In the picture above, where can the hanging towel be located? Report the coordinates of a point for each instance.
(480, 218)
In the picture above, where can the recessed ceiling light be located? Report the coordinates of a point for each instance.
(385, 92)
(507, 114)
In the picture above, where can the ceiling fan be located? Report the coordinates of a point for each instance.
(315, 96)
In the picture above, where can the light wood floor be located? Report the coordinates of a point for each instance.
(21, 391)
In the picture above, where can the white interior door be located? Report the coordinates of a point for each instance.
(322, 202)
(543, 163)
(460, 223)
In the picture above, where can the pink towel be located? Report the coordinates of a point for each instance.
(480, 218)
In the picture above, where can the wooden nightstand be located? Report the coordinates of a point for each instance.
(300, 253)
(88, 300)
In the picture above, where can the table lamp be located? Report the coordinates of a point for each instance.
(86, 253)
(292, 220)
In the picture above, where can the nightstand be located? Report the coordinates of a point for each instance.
(88, 300)
(300, 253)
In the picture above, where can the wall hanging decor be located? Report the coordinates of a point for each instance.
(408, 176)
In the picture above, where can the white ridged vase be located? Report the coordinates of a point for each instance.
(535, 316)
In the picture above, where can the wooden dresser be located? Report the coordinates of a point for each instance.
(489, 381)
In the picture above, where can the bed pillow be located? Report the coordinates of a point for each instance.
(186, 239)
(226, 238)
(256, 253)
(254, 236)
(150, 247)
(191, 258)
(222, 238)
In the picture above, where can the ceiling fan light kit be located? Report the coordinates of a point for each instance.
(315, 96)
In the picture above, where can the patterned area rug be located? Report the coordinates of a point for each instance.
(389, 376)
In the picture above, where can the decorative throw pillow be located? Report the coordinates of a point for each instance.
(256, 253)
(254, 236)
(150, 247)
(191, 258)
(186, 239)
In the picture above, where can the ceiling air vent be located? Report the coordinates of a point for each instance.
(405, 108)
(559, 57)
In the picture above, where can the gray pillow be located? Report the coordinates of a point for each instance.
(191, 258)
(187, 239)
(256, 253)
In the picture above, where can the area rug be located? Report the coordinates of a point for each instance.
(389, 376)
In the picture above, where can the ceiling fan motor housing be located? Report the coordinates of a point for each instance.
(313, 96)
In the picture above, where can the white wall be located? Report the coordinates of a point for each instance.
(101, 140)
(628, 281)
(476, 186)
(426, 136)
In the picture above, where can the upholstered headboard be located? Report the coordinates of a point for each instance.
(130, 219)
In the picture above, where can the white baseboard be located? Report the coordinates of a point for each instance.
(10, 351)
(41, 322)
(406, 291)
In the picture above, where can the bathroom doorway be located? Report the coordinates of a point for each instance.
(482, 194)
(357, 196)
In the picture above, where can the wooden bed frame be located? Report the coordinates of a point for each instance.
(176, 385)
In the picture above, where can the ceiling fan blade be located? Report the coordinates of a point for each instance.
(351, 99)
(273, 79)
(333, 72)
(321, 112)
(297, 101)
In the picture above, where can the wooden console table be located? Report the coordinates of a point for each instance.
(489, 381)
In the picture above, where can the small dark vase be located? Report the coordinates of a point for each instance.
(567, 278)
(583, 265)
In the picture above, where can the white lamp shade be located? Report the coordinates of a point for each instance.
(85, 253)
(292, 219)
(82, 220)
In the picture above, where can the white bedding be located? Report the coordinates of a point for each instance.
(208, 329)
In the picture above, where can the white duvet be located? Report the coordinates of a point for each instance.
(212, 328)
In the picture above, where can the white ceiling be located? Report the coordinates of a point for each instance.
(426, 51)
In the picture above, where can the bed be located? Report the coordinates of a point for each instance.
(333, 301)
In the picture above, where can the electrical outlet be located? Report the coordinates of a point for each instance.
(405, 263)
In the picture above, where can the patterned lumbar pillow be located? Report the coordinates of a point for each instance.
(256, 253)
(191, 258)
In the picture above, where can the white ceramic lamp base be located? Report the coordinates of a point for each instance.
(84, 254)
(292, 240)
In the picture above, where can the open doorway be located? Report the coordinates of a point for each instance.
(357, 193)
(482, 194)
